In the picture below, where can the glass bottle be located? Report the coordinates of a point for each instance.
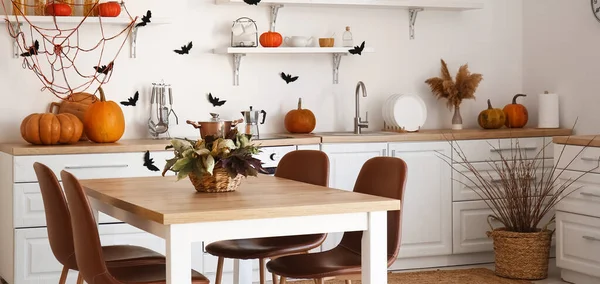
(88, 5)
(39, 7)
(19, 7)
(347, 40)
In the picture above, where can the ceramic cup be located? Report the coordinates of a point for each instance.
(298, 41)
(326, 41)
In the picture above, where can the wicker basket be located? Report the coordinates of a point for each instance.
(219, 181)
(521, 255)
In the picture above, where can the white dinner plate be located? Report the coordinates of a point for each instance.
(409, 112)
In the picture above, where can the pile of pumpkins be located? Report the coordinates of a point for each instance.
(80, 116)
(513, 115)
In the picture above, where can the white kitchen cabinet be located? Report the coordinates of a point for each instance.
(578, 247)
(427, 212)
(345, 162)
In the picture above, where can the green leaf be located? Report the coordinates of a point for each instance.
(209, 164)
(183, 174)
(202, 152)
(180, 145)
(168, 165)
(188, 153)
(181, 164)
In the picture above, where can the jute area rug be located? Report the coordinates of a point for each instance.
(458, 276)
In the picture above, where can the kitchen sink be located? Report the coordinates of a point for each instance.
(349, 133)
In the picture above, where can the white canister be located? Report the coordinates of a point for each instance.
(548, 110)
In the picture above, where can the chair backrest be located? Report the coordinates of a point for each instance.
(308, 166)
(85, 234)
(58, 219)
(385, 177)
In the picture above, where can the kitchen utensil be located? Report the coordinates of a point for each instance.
(326, 42)
(298, 41)
(251, 118)
(409, 112)
(215, 126)
(158, 123)
(171, 106)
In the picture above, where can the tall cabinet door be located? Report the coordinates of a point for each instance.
(345, 162)
(427, 205)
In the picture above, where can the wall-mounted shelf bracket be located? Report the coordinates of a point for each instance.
(237, 60)
(16, 28)
(274, 12)
(133, 43)
(412, 19)
(337, 58)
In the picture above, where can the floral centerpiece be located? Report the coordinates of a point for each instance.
(214, 164)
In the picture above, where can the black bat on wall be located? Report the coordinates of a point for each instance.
(184, 49)
(32, 50)
(131, 101)
(145, 19)
(215, 101)
(357, 49)
(104, 69)
(288, 78)
(252, 2)
(149, 162)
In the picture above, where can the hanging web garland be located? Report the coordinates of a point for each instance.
(55, 54)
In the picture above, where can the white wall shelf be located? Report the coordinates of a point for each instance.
(72, 21)
(238, 52)
(413, 6)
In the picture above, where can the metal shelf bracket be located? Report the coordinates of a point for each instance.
(133, 43)
(16, 28)
(237, 60)
(337, 58)
(274, 12)
(412, 19)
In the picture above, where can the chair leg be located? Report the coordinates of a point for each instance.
(80, 278)
(274, 278)
(261, 267)
(348, 281)
(219, 270)
(320, 281)
(63, 275)
(282, 280)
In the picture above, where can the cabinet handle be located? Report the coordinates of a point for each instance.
(393, 153)
(531, 148)
(591, 238)
(590, 159)
(384, 152)
(95, 167)
(589, 194)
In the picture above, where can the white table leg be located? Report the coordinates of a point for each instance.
(179, 255)
(374, 249)
(242, 271)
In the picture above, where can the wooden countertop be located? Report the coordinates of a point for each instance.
(260, 197)
(137, 145)
(581, 140)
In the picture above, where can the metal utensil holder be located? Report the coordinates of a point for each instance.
(161, 108)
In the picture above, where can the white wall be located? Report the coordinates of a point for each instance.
(562, 55)
(490, 40)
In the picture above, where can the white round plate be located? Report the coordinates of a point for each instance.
(390, 110)
(386, 111)
(409, 112)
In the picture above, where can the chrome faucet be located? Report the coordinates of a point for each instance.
(359, 124)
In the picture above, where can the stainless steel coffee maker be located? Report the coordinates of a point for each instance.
(251, 123)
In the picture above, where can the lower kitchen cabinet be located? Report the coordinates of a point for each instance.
(427, 212)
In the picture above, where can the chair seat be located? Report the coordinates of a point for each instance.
(335, 262)
(126, 255)
(265, 247)
(149, 274)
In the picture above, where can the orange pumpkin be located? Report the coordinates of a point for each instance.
(271, 39)
(300, 120)
(109, 9)
(51, 129)
(58, 9)
(104, 121)
(516, 114)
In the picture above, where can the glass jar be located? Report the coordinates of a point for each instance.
(19, 7)
(39, 7)
(347, 40)
(88, 7)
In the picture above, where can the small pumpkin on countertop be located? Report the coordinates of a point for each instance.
(300, 120)
(516, 114)
(491, 118)
(51, 129)
(58, 9)
(109, 9)
(104, 121)
(271, 39)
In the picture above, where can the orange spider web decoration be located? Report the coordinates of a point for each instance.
(52, 53)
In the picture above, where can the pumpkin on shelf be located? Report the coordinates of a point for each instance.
(516, 114)
(109, 9)
(76, 103)
(491, 118)
(58, 9)
(104, 121)
(51, 129)
(271, 39)
(300, 120)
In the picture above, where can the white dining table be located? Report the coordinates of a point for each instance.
(262, 206)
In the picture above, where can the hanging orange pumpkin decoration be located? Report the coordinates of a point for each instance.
(58, 9)
(51, 129)
(516, 114)
(271, 39)
(300, 120)
(104, 121)
(109, 9)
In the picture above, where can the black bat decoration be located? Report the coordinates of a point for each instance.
(145, 19)
(104, 69)
(184, 49)
(149, 162)
(252, 2)
(288, 78)
(32, 50)
(358, 49)
(215, 101)
(132, 101)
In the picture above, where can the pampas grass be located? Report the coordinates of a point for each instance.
(455, 91)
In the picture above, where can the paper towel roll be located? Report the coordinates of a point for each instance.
(548, 111)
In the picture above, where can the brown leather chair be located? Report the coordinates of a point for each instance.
(58, 222)
(305, 166)
(381, 176)
(90, 255)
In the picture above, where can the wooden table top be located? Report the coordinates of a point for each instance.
(165, 201)
(579, 140)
